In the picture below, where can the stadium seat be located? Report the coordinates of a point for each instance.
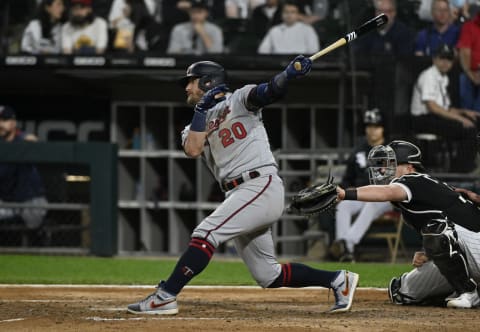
(393, 235)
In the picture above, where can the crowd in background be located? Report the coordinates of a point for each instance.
(222, 26)
(442, 30)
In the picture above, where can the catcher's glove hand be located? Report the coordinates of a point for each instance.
(315, 199)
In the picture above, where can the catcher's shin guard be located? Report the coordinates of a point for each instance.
(441, 245)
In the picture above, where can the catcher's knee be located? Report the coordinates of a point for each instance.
(441, 245)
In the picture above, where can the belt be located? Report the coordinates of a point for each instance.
(238, 181)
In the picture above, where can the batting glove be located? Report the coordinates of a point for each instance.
(209, 100)
(303, 69)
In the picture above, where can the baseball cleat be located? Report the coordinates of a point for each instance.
(465, 301)
(344, 287)
(393, 288)
(158, 303)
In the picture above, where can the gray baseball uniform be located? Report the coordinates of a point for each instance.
(237, 145)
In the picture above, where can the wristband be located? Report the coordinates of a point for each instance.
(350, 194)
(198, 122)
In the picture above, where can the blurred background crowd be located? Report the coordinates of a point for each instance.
(222, 26)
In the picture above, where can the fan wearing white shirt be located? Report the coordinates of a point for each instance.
(290, 37)
(84, 33)
(432, 112)
(42, 35)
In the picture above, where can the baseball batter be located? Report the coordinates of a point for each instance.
(448, 269)
(227, 131)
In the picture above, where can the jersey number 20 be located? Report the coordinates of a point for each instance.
(238, 130)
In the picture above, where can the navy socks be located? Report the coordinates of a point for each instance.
(192, 262)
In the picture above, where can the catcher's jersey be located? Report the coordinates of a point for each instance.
(237, 140)
(430, 200)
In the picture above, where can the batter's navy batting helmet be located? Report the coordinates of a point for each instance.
(407, 153)
(210, 73)
(373, 117)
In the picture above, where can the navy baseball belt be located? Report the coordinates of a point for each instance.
(238, 181)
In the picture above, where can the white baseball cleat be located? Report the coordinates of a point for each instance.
(158, 303)
(344, 287)
(465, 301)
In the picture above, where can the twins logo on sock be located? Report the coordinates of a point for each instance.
(188, 272)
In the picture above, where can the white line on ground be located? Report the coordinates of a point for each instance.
(152, 286)
(108, 309)
(11, 320)
(100, 319)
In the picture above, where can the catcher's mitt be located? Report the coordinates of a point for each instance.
(315, 199)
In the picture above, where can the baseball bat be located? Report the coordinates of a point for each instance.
(366, 27)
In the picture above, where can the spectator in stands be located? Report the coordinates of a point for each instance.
(469, 51)
(394, 38)
(130, 19)
(292, 36)
(43, 34)
(84, 33)
(313, 11)
(442, 30)
(241, 8)
(353, 218)
(432, 112)
(198, 36)
(20, 183)
(459, 10)
(177, 11)
(265, 17)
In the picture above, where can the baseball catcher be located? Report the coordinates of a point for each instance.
(448, 266)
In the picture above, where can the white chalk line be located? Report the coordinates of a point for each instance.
(149, 318)
(11, 320)
(187, 287)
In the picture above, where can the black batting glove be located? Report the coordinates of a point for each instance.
(211, 98)
(300, 66)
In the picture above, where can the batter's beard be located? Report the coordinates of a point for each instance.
(191, 100)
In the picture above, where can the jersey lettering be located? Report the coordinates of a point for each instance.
(238, 130)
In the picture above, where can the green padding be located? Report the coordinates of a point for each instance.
(102, 160)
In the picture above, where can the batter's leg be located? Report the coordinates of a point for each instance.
(257, 251)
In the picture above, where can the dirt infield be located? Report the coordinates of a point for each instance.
(226, 309)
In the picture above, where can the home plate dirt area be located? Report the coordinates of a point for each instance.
(103, 308)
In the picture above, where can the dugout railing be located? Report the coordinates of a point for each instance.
(94, 222)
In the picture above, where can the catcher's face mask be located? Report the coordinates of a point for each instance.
(382, 164)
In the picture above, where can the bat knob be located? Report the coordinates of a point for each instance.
(219, 95)
(298, 66)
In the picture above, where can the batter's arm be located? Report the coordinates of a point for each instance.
(376, 193)
(194, 143)
(267, 93)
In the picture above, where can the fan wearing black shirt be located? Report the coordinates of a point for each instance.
(448, 222)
